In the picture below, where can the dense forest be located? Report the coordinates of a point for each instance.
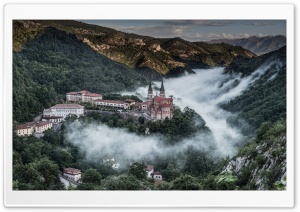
(38, 161)
(265, 100)
(56, 63)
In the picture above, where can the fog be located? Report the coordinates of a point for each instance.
(203, 92)
(98, 141)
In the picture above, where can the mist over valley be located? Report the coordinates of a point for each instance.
(159, 114)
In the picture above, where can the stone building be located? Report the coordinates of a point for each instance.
(159, 107)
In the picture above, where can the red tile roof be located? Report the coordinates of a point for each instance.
(23, 126)
(109, 101)
(67, 106)
(84, 92)
(32, 124)
(72, 171)
(156, 173)
(52, 117)
(149, 168)
(158, 99)
(42, 123)
(165, 105)
(129, 100)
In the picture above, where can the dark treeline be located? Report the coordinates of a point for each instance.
(55, 63)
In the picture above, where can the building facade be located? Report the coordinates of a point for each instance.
(62, 110)
(149, 171)
(72, 174)
(159, 107)
(112, 103)
(82, 96)
(33, 127)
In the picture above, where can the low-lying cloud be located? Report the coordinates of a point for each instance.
(202, 92)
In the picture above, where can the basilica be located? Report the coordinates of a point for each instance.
(159, 107)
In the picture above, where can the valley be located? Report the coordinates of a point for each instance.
(226, 132)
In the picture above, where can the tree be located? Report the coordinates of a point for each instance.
(92, 176)
(138, 170)
(170, 173)
(124, 183)
(185, 182)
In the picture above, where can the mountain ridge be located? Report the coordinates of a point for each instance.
(166, 56)
(258, 45)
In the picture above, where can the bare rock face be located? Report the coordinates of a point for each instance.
(236, 165)
(267, 166)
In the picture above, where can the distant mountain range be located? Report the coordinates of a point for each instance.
(151, 57)
(258, 45)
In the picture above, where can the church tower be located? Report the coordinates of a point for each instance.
(162, 90)
(150, 94)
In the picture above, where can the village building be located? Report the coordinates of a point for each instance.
(156, 175)
(149, 171)
(53, 119)
(159, 107)
(62, 110)
(72, 174)
(30, 128)
(130, 101)
(82, 96)
(111, 162)
(112, 103)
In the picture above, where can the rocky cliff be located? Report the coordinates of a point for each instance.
(261, 163)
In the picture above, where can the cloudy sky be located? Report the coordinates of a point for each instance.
(197, 30)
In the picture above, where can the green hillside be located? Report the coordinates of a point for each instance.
(56, 62)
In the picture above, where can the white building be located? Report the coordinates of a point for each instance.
(33, 127)
(149, 171)
(72, 174)
(157, 176)
(53, 119)
(62, 110)
(112, 103)
(82, 96)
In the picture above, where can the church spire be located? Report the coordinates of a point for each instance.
(150, 88)
(150, 93)
(162, 90)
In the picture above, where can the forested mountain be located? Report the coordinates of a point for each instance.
(265, 100)
(150, 56)
(56, 62)
(51, 58)
(258, 45)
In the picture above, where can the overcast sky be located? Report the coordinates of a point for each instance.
(197, 30)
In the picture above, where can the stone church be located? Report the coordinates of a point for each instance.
(159, 107)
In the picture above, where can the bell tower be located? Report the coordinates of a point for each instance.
(162, 90)
(150, 94)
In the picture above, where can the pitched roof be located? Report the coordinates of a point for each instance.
(42, 123)
(156, 173)
(72, 171)
(52, 117)
(32, 124)
(129, 100)
(84, 92)
(149, 168)
(157, 99)
(109, 101)
(23, 126)
(67, 106)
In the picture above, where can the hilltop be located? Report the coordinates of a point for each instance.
(151, 57)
